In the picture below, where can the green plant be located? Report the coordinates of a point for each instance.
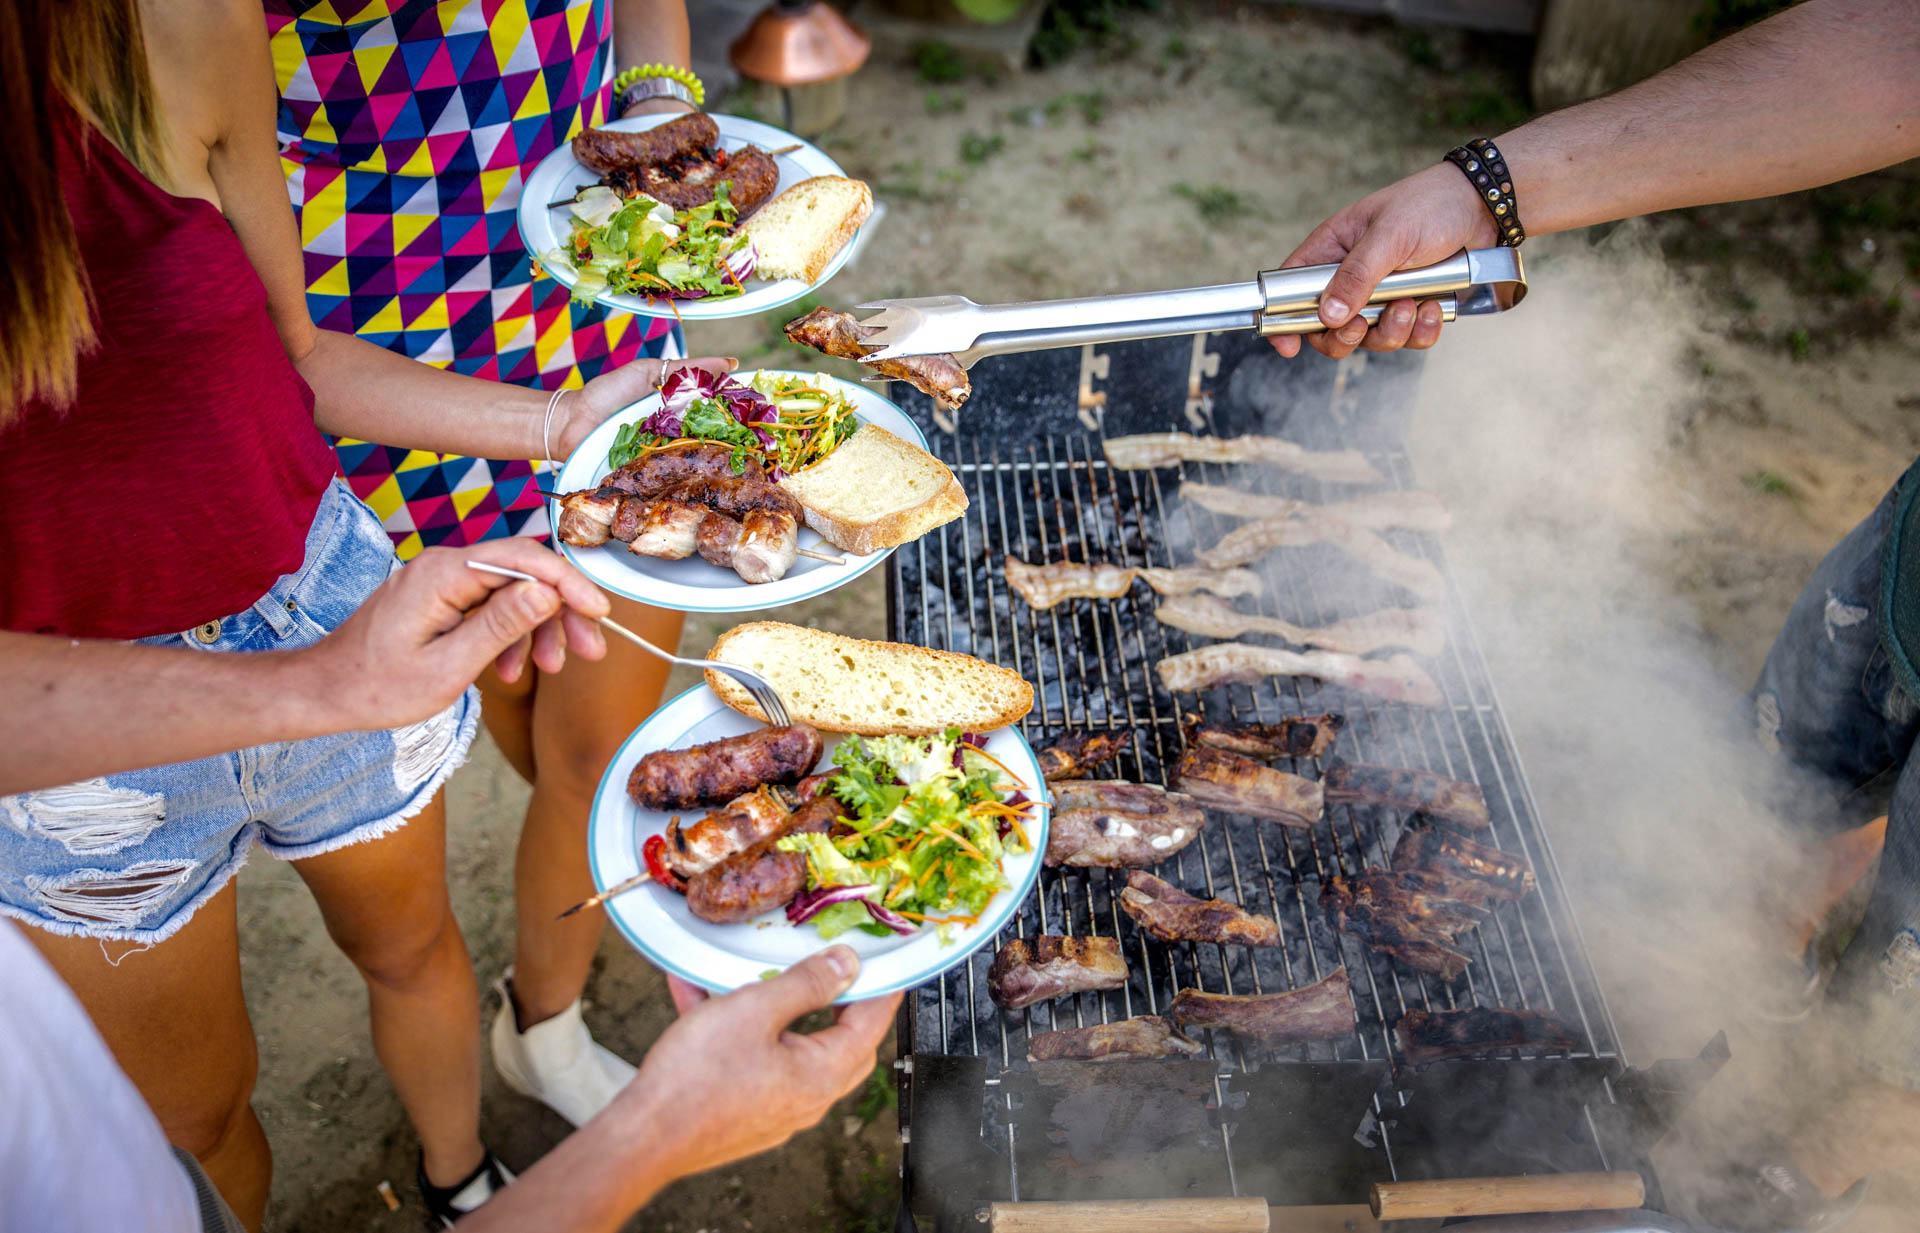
(945, 102)
(975, 149)
(1216, 203)
(1769, 483)
(1417, 46)
(877, 1096)
(1175, 48)
(1086, 152)
(1091, 104)
(936, 63)
(1069, 25)
(1799, 344)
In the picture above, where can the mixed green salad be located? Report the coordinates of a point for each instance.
(784, 421)
(933, 820)
(638, 246)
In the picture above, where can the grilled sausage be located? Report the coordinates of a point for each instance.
(736, 496)
(604, 150)
(750, 175)
(721, 770)
(762, 877)
(661, 470)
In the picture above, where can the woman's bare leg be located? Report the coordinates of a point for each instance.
(507, 711)
(385, 904)
(177, 1024)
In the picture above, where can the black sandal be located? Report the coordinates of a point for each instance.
(449, 1203)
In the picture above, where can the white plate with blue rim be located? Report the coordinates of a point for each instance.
(692, 585)
(725, 957)
(545, 224)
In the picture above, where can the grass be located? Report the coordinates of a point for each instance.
(1799, 344)
(878, 1096)
(1175, 48)
(936, 63)
(1217, 204)
(1069, 26)
(975, 149)
(945, 102)
(1770, 483)
(1091, 104)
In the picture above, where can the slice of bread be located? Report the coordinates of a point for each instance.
(842, 684)
(876, 491)
(797, 233)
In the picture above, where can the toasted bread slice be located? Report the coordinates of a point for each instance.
(797, 233)
(842, 684)
(876, 491)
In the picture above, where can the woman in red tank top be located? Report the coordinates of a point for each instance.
(156, 355)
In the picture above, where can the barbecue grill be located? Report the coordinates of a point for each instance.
(1298, 1125)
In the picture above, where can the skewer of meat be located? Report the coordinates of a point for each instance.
(1420, 630)
(1236, 784)
(1250, 541)
(1151, 451)
(1376, 511)
(1111, 823)
(1320, 1011)
(1307, 736)
(1172, 915)
(760, 545)
(1029, 970)
(734, 827)
(1143, 1036)
(1426, 1035)
(717, 771)
(762, 877)
(1459, 867)
(1398, 916)
(1397, 678)
(1043, 586)
(1076, 753)
(1445, 800)
(838, 334)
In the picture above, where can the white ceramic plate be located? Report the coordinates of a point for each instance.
(693, 585)
(724, 957)
(560, 176)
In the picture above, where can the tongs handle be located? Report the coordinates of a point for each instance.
(1485, 280)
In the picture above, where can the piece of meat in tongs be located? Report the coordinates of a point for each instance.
(1427, 1035)
(1029, 970)
(720, 770)
(734, 827)
(1119, 825)
(1320, 1011)
(1230, 782)
(1396, 678)
(1460, 805)
(762, 877)
(1459, 867)
(1399, 915)
(1143, 1036)
(1076, 753)
(941, 377)
(1305, 736)
(1172, 915)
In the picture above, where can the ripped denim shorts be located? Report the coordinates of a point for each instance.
(131, 857)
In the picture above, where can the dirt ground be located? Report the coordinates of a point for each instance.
(1197, 145)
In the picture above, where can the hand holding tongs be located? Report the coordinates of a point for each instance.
(1487, 280)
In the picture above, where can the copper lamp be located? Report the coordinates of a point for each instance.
(808, 50)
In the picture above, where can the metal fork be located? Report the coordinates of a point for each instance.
(757, 686)
(1470, 283)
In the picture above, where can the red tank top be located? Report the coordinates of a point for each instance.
(180, 483)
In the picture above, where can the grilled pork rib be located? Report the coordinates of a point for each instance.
(1227, 781)
(1043, 586)
(940, 377)
(1029, 970)
(721, 770)
(1250, 541)
(1397, 679)
(1424, 1035)
(1308, 736)
(1400, 916)
(1143, 1036)
(1111, 823)
(1150, 451)
(1172, 915)
(1445, 800)
(1320, 1011)
(1460, 868)
(1420, 630)
(1376, 511)
(1076, 753)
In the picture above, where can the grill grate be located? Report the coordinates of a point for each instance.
(1051, 496)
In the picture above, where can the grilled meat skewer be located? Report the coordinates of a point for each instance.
(1076, 753)
(734, 827)
(838, 334)
(1172, 915)
(1029, 970)
(1424, 1035)
(760, 546)
(1400, 916)
(1143, 1036)
(1460, 805)
(1459, 868)
(1111, 823)
(721, 770)
(1227, 781)
(1376, 511)
(1320, 1011)
(1043, 586)
(1150, 451)
(762, 877)
(1397, 679)
(1303, 737)
(1420, 630)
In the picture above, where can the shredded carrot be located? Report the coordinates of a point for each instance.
(1003, 766)
(944, 833)
(941, 920)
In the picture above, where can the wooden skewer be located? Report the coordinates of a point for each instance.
(638, 879)
(786, 149)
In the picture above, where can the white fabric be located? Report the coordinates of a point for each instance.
(79, 1150)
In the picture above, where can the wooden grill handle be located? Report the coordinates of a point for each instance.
(1130, 1216)
(1507, 1196)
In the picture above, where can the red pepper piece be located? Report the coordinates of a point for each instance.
(654, 852)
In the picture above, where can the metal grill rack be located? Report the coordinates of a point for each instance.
(1041, 490)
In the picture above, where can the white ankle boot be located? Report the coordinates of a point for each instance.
(556, 1062)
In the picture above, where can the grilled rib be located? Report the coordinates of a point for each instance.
(838, 334)
(1029, 970)
(1420, 630)
(1396, 678)
(1228, 781)
(1445, 800)
(721, 770)
(1320, 1011)
(1460, 868)
(1399, 916)
(1424, 1035)
(1111, 823)
(1076, 753)
(1143, 1036)
(1165, 449)
(1302, 737)
(1377, 511)
(1250, 541)
(1172, 915)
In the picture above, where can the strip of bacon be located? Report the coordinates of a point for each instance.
(1043, 586)
(1377, 511)
(1420, 630)
(1397, 678)
(1149, 451)
(1250, 541)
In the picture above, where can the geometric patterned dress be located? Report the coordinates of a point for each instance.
(406, 129)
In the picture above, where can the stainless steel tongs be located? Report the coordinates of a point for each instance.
(1487, 280)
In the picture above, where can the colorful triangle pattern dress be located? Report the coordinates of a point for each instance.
(406, 130)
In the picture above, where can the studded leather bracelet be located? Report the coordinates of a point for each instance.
(1486, 169)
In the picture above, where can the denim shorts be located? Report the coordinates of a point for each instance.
(131, 857)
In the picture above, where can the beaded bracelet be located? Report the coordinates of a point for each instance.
(1481, 162)
(694, 90)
